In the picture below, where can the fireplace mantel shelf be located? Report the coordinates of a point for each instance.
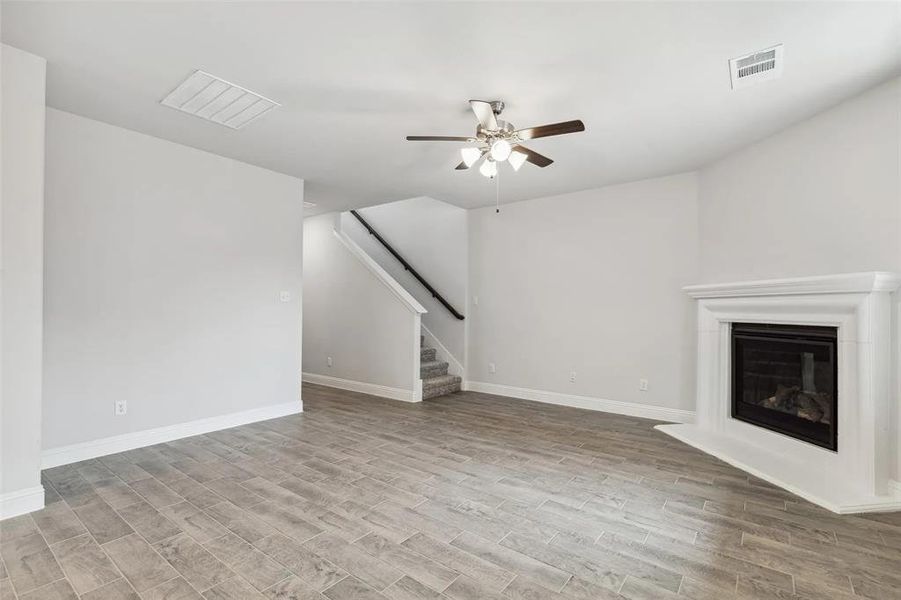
(855, 478)
(846, 283)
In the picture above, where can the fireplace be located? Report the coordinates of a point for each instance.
(784, 378)
(851, 316)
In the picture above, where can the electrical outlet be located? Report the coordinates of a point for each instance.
(121, 407)
(328, 360)
(572, 376)
(642, 385)
(492, 368)
(475, 300)
(284, 296)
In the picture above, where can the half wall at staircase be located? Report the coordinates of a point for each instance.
(360, 328)
(432, 236)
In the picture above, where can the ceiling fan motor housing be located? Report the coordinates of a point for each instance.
(504, 129)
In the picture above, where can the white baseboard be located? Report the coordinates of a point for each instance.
(646, 411)
(13, 504)
(372, 389)
(65, 455)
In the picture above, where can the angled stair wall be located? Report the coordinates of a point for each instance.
(432, 236)
(361, 329)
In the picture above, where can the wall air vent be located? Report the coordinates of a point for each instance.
(759, 66)
(214, 99)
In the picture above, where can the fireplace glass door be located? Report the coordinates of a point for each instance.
(784, 379)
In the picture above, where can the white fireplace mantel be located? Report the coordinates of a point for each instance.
(856, 477)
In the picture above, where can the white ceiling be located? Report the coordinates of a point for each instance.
(650, 81)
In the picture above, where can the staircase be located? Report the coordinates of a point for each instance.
(435, 380)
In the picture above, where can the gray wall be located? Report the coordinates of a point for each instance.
(164, 266)
(821, 197)
(21, 256)
(588, 282)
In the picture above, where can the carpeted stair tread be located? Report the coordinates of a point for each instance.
(440, 380)
(432, 368)
(440, 386)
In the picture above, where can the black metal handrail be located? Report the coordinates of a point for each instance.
(407, 266)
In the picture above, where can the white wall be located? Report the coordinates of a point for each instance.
(164, 266)
(351, 315)
(588, 282)
(431, 235)
(21, 257)
(821, 197)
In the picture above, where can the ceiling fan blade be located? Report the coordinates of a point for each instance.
(530, 133)
(484, 113)
(462, 166)
(533, 157)
(438, 138)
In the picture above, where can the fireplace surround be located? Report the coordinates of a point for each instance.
(856, 475)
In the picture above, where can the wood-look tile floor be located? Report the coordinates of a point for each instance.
(463, 497)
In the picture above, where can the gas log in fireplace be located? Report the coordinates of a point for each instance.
(784, 379)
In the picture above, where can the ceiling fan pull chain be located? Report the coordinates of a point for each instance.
(497, 192)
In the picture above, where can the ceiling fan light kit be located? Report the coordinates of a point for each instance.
(498, 141)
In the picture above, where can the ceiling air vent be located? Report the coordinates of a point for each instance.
(762, 65)
(214, 99)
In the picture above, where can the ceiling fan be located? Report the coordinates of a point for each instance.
(496, 141)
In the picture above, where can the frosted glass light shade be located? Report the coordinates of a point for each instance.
(488, 169)
(470, 156)
(500, 150)
(517, 159)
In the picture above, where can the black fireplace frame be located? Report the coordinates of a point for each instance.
(802, 429)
